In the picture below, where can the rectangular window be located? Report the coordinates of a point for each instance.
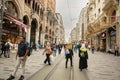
(99, 10)
(98, 1)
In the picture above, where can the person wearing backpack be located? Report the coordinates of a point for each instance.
(21, 57)
(3, 49)
(68, 55)
(83, 56)
(8, 45)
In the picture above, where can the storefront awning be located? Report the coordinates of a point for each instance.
(17, 22)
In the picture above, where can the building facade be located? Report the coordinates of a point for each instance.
(103, 27)
(33, 19)
(81, 26)
(73, 36)
(59, 30)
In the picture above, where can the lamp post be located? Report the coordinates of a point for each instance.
(1, 18)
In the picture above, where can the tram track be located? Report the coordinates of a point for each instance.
(53, 70)
(71, 75)
(50, 72)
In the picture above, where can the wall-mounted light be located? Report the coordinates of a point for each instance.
(11, 22)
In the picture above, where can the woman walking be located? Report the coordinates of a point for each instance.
(83, 56)
(48, 52)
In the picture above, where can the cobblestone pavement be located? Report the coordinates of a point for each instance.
(33, 64)
(101, 66)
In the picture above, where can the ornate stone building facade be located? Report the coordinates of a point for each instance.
(82, 24)
(103, 25)
(59, 30)
(73, 35)
(33, 19)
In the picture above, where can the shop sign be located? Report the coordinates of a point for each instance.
(112, 33)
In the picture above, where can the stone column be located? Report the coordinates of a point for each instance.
(118, 27)
(107, 41)
(118, 34)
(28, 34)
(37, 35)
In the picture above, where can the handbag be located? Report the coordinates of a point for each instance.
(49, 51)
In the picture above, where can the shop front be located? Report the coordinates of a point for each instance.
(103, 42)
(12, 29)
(112, 36)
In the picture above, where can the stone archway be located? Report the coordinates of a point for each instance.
(11, 9)
(113, 18)
(33, 31)
(26, 20)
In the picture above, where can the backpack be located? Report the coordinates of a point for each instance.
(7, 46)
(29, 48)
(67, 51)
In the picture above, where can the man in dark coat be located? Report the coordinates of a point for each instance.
(83, 55)
(3, 49)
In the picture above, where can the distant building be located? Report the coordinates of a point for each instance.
(73, 35)
(103, 23)
(59, 30)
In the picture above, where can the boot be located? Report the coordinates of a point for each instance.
(21, 77)
(11, 77)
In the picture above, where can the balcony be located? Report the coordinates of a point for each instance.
(110, 4)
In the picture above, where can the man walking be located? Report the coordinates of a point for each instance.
(116, 48)
(21, 57)
(68, 54)
(8, 45)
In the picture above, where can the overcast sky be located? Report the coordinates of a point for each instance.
(70, 10)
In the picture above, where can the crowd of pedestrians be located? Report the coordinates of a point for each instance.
(5, 49)
(50, 50)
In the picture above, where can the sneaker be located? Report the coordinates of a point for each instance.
(21, 77)
(11, 77)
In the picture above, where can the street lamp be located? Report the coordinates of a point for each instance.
(1, 18)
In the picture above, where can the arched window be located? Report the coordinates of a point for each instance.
(38, 9)
(50, 31)
(29, 1)
(25, 1)
(46, 29)
(11, 9)
(113, 18)
(33, 5)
